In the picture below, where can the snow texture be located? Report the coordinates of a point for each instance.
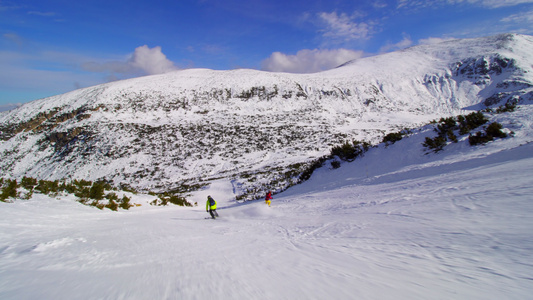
(398, 223)
(395, 224)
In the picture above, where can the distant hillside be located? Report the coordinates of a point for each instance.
(180, 130)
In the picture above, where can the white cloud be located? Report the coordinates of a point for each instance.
(20, 80)
(494, 3)
(42, 14)
(151, 61)
(343, 28)
(485, 3)
(9, 106)
(433, 40)
(144, 60)
(309, 61)
(14, 38)
(404, 43)
(524, 17)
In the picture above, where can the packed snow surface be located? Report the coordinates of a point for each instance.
(396, 224)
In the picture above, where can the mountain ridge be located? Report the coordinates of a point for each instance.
(183, 129)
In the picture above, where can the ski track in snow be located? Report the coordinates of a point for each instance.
(464, 233)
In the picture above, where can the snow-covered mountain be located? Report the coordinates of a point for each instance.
(394, 224)
(181, 130)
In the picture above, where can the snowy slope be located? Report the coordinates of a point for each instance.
(395, 224)
(191, 127)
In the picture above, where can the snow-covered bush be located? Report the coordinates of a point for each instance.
(392, 138)
(9, 189)
(97, 191)
(436, 144)
(125, 202)
(89, 193)
(165, 199)
(471, 122)
(508, 107)
(446, 128)
(112, 205)
(494, 130)
(350, 151)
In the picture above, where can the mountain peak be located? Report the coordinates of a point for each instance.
(180, 130)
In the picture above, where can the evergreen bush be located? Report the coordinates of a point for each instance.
(9, 189)
(28, 183)
(452, 137)
(479, 138)
(111, 196)
(446, 125)
(436, 144)
(97, 191)
(83, 192)
(473, 121)
(495, 130)
(446, 128)
(350, 151)
(508, 107)
(125, 202)
(47, 187)
(181, 201)
(392, 138)
(308, 171)
(112, 205)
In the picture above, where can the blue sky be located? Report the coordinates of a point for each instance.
(49, 47)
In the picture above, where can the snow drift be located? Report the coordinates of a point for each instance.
(395, 224)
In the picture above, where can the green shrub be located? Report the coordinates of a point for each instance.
(69, 187)
(392, 137)
(181, 201)
(9, 189)
(94, 203)
(495, 130)
(125, 202)
(83, 193)
(165, 199)
(112, 205)
(47, 187)
(350, 151)
(479, 138)
(127, 188)
(82, 183)
(446, 125)
(452, 137)
(436, 144)
(472, 121)
(97, 191)
(308, 171)
(28, 183)
(508, 107)
(111, 196)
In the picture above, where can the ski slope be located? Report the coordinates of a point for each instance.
(396, 224)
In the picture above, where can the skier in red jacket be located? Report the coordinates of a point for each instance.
(268, 198)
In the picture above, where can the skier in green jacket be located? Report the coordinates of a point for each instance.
(211, 207)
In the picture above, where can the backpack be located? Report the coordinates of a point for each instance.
(211, 201)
